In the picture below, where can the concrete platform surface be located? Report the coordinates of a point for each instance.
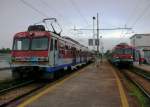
(143, 67)
(92, 87)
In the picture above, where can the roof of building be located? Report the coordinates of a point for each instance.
(148, 34)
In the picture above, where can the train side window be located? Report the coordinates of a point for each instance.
(19, 44)
(55, 44)
(51, 47)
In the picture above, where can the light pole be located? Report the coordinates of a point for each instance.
(102, 48)
(97, 34)
(94, 33)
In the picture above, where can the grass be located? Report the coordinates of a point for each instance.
(135, 91)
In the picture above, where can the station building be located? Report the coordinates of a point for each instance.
(142, 42)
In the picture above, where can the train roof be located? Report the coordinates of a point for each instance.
(123, 45)
(74, 41)
(39, 31)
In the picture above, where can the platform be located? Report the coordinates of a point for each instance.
(143, 67)
(93, 86)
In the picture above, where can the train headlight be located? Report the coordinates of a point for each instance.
(43, 59)
(131, 57)
(116, 57)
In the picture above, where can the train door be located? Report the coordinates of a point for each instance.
(54, 52)
(136, 57)
(74, 55)
(80, 55)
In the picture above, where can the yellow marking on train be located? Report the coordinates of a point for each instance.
(124, 100)
(49, 89)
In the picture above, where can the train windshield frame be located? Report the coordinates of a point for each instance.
(39, 43)
(123, 51)
(21, 44)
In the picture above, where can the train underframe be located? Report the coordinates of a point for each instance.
(123, 62)
(37, 72)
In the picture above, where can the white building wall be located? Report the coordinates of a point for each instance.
(142, 42)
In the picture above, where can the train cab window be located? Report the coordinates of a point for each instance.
(127, 51)
(123, 51)
(55, 44)
(51, 45)
(39, 43)
(118, 51)
(21, 44)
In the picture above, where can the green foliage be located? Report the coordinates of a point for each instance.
(142, 99)
(5, 50)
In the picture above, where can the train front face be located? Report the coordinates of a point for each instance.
(123, 56)
(29, 53)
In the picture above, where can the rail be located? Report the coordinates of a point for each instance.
(138, 84)
(20, 90)
(2, 91)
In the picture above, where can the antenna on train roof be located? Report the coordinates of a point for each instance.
(55, 20)
(37, 25)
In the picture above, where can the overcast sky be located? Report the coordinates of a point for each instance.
(16, 15)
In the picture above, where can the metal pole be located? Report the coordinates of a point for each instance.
(94, 33)
(97, 34)
(102, 48)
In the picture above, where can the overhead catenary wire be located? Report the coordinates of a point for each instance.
(57, 12)
(142, 14)
(138, 18)
(130, 17)
(78, 11)
(39, 12)
(33, 8)
(132, 12)
(45, 3)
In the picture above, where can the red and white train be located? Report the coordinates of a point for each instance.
(38, 52)
(124, 54)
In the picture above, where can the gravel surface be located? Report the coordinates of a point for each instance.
(5, 74)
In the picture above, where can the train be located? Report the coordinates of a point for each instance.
(38, 52)
(124, 54)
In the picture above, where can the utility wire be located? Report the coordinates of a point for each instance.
(50, 7)
(33, 8)
(133, 11)
(78, 11)
(130, 17)
(145, 10)
(38, 11)
(55, 11)
(139, 17)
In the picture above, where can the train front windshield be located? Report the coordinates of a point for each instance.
(31, 44)
(39, 44)
(123, 51)
(21, 44)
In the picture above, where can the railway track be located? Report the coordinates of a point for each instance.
(141, 80)
(7, 85)
(142, 73)
(16, 92)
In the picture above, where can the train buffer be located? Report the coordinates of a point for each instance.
(84, 88)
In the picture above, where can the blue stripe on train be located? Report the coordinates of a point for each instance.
(56, 68)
